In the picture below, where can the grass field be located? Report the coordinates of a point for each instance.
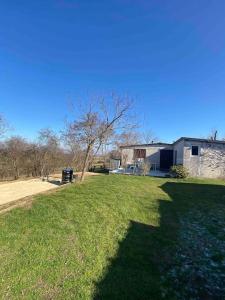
(117, 237)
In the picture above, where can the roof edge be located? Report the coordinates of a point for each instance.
(199, 140)
(146, 145)
(177, 141)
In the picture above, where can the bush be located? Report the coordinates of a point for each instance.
(145, 167)
(179, 171)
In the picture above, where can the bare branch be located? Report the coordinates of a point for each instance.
(3, 126)
(149, 137)
(98, 124)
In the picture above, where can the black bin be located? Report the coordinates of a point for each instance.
(67, 175)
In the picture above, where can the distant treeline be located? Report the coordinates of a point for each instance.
(103, 120)
(20, 158)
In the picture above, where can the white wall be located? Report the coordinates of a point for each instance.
(210, 162)
(179, 147)
(192, 163)
(152, 153)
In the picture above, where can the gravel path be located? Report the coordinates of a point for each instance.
(12, 191)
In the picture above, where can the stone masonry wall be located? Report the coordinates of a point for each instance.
(209, 163)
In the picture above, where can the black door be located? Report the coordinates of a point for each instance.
(166, 159)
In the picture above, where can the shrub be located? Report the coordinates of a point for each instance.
(145, 167)
(179, 171)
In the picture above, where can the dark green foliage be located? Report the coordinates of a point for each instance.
(179, 171)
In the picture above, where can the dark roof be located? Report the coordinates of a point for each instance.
(180, 139)
(146, 145)
(199, 140)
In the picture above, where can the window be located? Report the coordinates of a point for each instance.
(139, 153)
(194, 150)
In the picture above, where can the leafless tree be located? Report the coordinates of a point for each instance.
(15, 149)
(19, 158)
(97, 124)
(127, 137)
(74, 149)
(213, 134)
(3, 125)
(33, 163)
(48, 143)
(145, 166)
(149, 137)
(133, 137)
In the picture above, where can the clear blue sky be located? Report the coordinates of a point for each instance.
(168, 54)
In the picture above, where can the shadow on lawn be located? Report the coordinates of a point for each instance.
(147, 251)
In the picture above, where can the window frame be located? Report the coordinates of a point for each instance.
(194, 155)
(139, 150)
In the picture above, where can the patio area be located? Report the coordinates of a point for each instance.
(137, 171)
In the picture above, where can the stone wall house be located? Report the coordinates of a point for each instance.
(202, 157)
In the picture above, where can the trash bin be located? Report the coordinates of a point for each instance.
(67, 175)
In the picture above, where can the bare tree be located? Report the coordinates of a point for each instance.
(97, 125)
(133, 137)
(145, 166)
(213, 134)
(127, 137)
(3, 125)
(48, 143)
(76, 153)
(149, 137)
(33, 166)
(19, 157)
(15, 149)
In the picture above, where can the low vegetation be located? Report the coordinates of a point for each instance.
(179, 171)
(117, 237)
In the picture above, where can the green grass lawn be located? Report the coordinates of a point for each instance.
(113, 237)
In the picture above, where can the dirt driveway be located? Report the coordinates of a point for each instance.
(12, 191)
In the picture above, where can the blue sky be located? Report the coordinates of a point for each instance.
(169, 55)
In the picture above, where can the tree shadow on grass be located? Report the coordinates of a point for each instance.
(147, 251)
(131, 273)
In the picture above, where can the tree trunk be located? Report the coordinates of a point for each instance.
(86, 161)
(42, 171)
(16, 170)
